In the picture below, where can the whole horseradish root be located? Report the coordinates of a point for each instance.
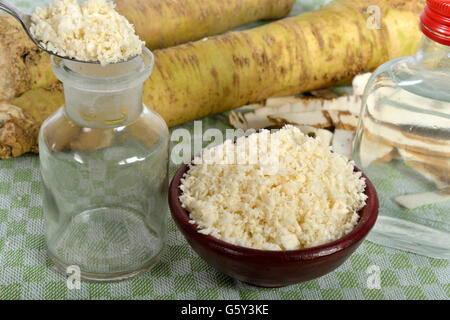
(165, 23)
(18, 131)
(293, 55)
(161, 23)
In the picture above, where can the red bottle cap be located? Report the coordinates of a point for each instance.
(435, 21)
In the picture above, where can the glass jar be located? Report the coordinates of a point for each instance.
(403, 141)
(104, 167)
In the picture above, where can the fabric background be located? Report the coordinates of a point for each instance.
(27, 273)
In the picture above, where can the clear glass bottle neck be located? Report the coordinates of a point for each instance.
(96, 109)
(433, 55)
(104, 96)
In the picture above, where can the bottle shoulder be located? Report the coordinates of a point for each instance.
(407, 73)
(400, 100)
(60, 134)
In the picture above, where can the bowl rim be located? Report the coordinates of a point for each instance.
(364, 225)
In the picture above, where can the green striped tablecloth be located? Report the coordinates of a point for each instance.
(26, 272)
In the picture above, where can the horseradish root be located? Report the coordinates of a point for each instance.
(314, 50)
(165, 23)
(22, 65)
(18, 132)
(293, 55)
(160, 23)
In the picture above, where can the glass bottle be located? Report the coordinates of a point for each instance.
(403, 141)
(104, 167)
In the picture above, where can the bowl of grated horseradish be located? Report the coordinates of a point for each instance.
(278, 221)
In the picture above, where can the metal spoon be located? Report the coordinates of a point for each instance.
(25, 21)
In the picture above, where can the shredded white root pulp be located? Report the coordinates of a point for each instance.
(313, 197)
(87, 31)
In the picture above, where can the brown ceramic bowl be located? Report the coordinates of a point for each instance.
(272, 268)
